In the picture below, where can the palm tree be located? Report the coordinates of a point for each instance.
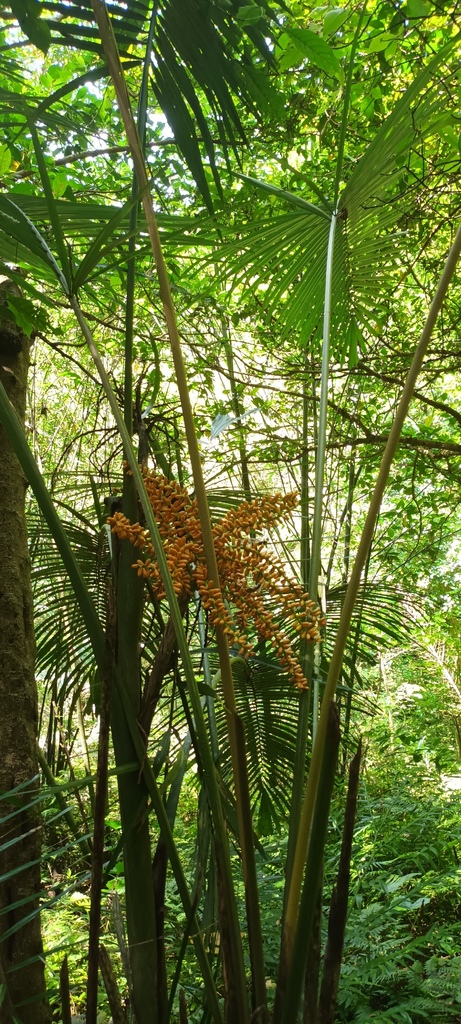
(360, 218)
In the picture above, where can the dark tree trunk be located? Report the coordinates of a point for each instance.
(18, 718)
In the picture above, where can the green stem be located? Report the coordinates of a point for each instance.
(238, 986)
(352, 590)
(237, 412)
(131, 264)
(287, 1003)
(222, 847)
(346, 104)
(315, 560)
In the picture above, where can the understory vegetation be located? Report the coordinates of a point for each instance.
(402, 958)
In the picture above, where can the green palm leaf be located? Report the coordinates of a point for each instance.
(287, 253)
(206, 64)
(64, 657)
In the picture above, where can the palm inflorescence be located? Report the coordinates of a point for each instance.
(253, 580)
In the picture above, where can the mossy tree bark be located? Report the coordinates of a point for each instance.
(21, 961)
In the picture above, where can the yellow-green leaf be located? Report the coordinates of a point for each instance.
(5, 159)
(317, 50)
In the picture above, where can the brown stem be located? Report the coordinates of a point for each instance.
(99, 815)
(160, 667)
(110, 985)
(338, 906)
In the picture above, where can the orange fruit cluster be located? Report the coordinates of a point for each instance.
(256, 593)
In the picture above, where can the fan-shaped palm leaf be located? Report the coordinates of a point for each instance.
(288, 252)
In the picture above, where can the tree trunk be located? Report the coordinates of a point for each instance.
(20, 944)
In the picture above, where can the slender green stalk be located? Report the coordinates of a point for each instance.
(353, 661)
(64, 991)
(259, 998)
(141, 909)
(110, 47)
(306, 649)
(291, 998)
(314, 563)
(131, 263)
(98, 842)
(352, 480)
(346, 103)
(140, 903)
(352, 590)
(339, 899)
(305, 526)
(237, 412)
(209, 701)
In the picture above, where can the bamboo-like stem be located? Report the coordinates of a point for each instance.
(339, 900)
(98, 832)
(315, 560)
(140, 904)
(305, 702)
(353, 661)
(305, 525)
(287, 1003)
(291, 918)
(116, 72)
(209, 700)
(237, 412)
(131, 263)
(346, 103)
(348, 517)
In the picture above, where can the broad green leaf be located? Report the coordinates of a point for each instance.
(316, 50)
(334, 19)
(380, 42)
(21, 310)
(290, 55)
(35, 28)
(418, 8)
(59, 184)
(5, 159)
(250, 14)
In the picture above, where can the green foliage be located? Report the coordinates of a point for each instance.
(323, 109)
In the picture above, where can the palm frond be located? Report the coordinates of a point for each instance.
(100, 232)
(204, 58)
(286, 254)
(64, 657)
